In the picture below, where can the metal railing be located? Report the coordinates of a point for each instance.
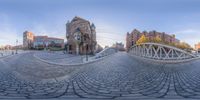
(160, 52)
(106, 52)
(6, 52)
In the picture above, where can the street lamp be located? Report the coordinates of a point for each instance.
(16, 46)
(86, 52)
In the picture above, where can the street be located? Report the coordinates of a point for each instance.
(118, 76)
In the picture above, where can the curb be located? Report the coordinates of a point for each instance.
(9, 56)
(78, 64)
(165, 61)
(12, 55)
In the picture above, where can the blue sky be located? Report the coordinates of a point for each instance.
(113, 18)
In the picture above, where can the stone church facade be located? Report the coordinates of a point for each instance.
(81, 36)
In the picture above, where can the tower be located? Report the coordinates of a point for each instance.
(67, 29)
(93, 28)
(28, 38)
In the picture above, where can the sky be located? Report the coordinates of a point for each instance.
(112, 18)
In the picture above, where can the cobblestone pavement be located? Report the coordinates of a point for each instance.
(59, 57)
(5, 53)
(118, 76)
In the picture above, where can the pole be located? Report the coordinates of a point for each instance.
(86, 52)
(16, 46)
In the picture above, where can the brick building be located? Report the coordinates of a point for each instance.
(81, 36)
(119, 46)
(131, 38)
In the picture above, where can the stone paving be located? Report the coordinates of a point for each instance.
(4, 53)
(118, 76)
(59, 57)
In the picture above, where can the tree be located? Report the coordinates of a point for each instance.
(184, 45)
(142, 39)
(157, 39)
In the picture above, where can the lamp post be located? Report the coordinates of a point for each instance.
(16, 46)
(86, 52)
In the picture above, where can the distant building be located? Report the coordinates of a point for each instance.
(28, 38)
(1, 47)
(17, 47)
(98, 48)
(197, 47)
(131, 38)
(8, 47)
(119, 46)
(106, 46)
(41, 42)
(81, 36)
(55, 42)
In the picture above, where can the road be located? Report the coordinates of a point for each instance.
(118, 76)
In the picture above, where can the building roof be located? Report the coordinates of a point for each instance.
(55, 38)
(27, 31)
(135, 31)
(93, 25)
(41, 36)
(78, 18)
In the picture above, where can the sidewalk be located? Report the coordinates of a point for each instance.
(62, 59)
(5, 53)
(59, 58)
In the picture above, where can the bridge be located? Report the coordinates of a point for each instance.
(138, 74)
(161, 52)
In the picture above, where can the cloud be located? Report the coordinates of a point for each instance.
(107, 39)
(108, 34)
(191, 36)
(9, 37)
(8, 33)
(54, 29)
